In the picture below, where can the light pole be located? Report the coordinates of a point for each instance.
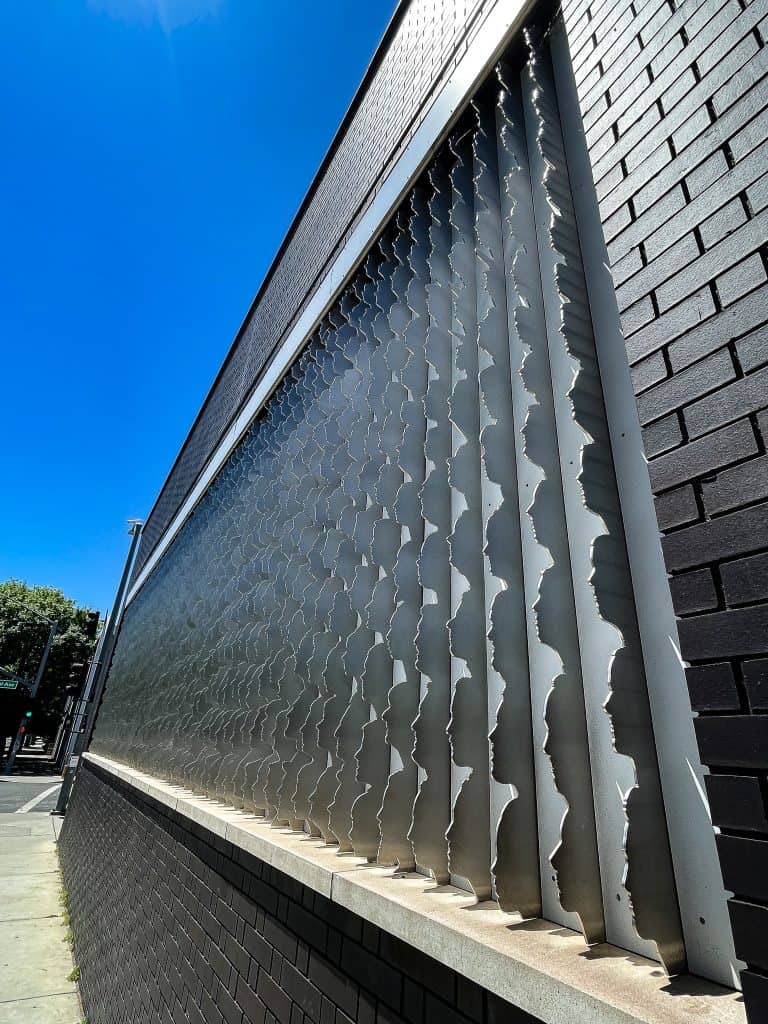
(83, 722)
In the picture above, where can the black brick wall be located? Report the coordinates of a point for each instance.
(173, 924)
(674, 96)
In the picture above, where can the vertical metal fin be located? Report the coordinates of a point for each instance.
(408, 364)
(378, 540)
(608, 636)
(469, 833)
(512, 791)
(432, 808)
(567, 836)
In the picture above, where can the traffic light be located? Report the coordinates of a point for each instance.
(91, 625)
(77, 673)
(27, 714)
(25, 722)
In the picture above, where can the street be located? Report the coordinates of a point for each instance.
(28, 794)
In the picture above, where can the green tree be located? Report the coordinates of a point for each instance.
(23, 635)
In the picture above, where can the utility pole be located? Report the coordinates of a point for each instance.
(84, 720)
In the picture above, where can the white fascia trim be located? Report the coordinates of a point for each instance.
(482, 50)
(536, 965)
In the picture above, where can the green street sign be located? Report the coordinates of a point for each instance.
(8, 684)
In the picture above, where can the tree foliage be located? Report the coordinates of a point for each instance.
(23, 635)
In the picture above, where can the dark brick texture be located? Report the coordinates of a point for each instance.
(675, 105)
(173, 924)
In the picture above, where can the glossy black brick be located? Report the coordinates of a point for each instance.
(736, 802)
(301, 991)
(712, 687)
(438, 1012)
(724, 537)
(749, 922)
(273, 997)
(230, 1011)
(724, 634)
(734, 741)
(253, 1008)
(308, 926)
(684, 387)
(705, 455)
(661, 436)
(747, 395)
(755, 989)
(333, 983)
(740, 485)
(677, 507)
(693, 591)
(756, 683)
(745, 866)
(372, 973)
(745, 580)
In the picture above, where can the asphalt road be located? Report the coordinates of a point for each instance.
(17, 792)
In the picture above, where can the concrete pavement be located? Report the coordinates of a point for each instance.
(35, 957)
(26, 793)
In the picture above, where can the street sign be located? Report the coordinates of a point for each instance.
(8, 684)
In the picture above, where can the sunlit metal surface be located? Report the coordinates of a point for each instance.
(402, 617)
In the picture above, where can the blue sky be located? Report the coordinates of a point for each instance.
(154, 153)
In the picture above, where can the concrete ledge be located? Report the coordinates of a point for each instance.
(540, 967)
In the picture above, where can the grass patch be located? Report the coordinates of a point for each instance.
(74, 974)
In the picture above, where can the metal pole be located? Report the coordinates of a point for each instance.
(44, 659)
(97, 678)
(15, 747)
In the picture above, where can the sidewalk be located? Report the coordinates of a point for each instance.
(35, 959)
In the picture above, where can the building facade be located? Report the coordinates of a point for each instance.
(446, 644)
